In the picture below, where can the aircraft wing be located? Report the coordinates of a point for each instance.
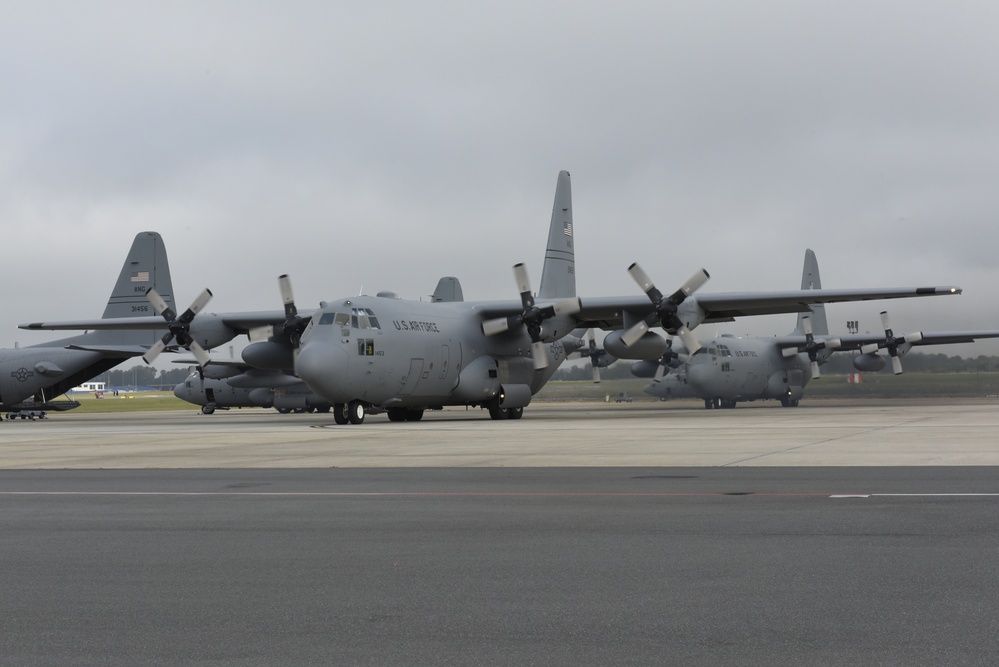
(240, 322)
(607, 312)
(113, 350)
(856, 341)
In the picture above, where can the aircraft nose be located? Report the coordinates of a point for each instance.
(698, 374)
(323, 367)
(180, 391)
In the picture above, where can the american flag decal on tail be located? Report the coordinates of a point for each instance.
(140, 276)
(567, 228)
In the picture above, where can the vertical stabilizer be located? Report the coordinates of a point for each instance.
(810, 280)
(145, 268)
(558, 278)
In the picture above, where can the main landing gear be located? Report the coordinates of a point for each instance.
(496, 412)
(718, 403)
(349, 413)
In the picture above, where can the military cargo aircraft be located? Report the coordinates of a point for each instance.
(33, 377)
(223, 385)
(730, 369)
(364, 353)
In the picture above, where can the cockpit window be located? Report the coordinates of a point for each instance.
(358, 318)
(363, 318)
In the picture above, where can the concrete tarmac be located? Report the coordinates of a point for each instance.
(772, 537)
(563, 434)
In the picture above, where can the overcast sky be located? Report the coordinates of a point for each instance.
(381, 145)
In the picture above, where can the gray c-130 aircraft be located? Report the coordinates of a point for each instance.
(731, 369)
(32, 377)
(369, 354)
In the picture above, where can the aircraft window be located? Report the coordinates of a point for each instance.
(327, 318)
(363, 318)
(343, 319)
(713, 351)
(723, 351)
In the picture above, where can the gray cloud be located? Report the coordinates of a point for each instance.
(387, 144)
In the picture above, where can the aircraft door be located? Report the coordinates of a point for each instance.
(413, 377)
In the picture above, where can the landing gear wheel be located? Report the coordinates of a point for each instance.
(355, 412)
(207, 409)
(396, 414)
(283, 411)
(340, 414)
(496, 412)
(515, 413)
(789, 402)
(414, 415)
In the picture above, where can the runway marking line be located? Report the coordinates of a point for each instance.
(471, 494)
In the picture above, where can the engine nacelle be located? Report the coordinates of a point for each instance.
(649, 347)
(263, 397)
(269, 355)
(645, 369)
(210, 331)
(478, 381)
(870, 363)
(514, 396)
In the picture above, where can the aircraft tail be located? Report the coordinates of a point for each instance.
(810, 280)
(145, 268)
(558, 277)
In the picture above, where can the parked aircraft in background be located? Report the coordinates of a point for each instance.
(383, 353)
(733, 369)
(32, 378)
(223, 385)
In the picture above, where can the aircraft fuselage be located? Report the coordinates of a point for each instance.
(391, 353)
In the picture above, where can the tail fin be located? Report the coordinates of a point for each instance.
(810, 280)
(145, 268)
(558, 278)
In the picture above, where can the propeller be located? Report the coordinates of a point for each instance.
(811, 346)
(532, 317)
(293, 325)
(664, 309)
(892, 343)
(595, 354)
(178, 328)
(670, 359)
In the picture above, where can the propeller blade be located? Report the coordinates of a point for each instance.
(520, 275)
(631, 336)
(596, 374)
(689, 339)
(885, 321)
(284, 283)
(806, 325)
(567, 306)
(896, 365)
(198, 305)
(154, 351)
(815, 370)
(199, 353)
(833, 343)
(539, 352)
(157, 302)
(660, 372)
(788, 352)
(694, 283)
(496, 326)
(914, 337)
(258, 334)
(870, 348)
(643, 279)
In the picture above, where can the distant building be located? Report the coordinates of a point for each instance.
(90, 387)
